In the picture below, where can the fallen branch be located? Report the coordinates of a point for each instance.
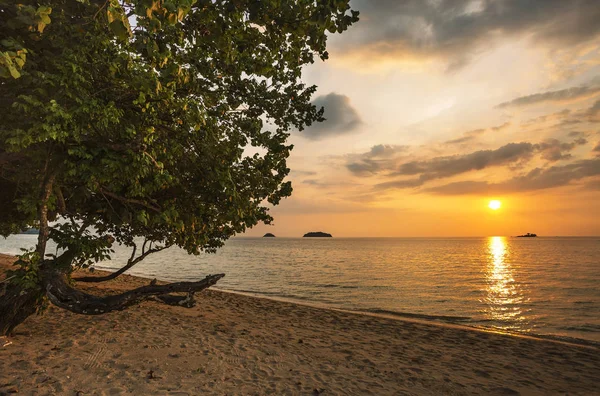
(63, 295)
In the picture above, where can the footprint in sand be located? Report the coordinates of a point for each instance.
(95, 358)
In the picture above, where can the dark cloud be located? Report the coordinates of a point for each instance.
(379, 158)
(536, 179)
(297, 172)
(455, 29)
(563, 95)
(441, 167)
(554, 150)
(340, 117)
(513, 155)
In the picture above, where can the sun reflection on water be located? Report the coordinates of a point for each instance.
(504, 298)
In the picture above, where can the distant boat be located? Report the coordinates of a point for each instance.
(268, 235)
(528, 235)
(317, 234)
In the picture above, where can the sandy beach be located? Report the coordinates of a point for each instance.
(236, 344)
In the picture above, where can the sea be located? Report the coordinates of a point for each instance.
(545, 286)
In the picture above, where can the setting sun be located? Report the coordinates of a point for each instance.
(495, 204)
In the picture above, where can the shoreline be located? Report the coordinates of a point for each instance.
(402, 316)
(399, 316)
(415, 318)
(235, 344)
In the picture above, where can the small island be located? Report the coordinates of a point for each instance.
(528, 235)
(317, 234)
(269, 235)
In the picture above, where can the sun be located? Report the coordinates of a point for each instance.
(494, 204)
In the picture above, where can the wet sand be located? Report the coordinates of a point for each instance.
(237, 344)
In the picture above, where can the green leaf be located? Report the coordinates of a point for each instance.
(119, 29)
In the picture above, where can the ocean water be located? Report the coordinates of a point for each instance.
(545, 286)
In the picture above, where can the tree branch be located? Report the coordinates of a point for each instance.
(130, 200)
(130, 263)
(64, 296)
(61, 204)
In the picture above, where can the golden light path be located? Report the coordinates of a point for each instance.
(504, 297)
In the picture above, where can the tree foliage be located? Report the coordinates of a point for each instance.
(161, 120)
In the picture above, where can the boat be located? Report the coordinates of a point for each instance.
(528, 235)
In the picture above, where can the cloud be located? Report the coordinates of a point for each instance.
(441, 167)
(461, 188)
(298, 172)
(379, 158)
(563, 95)
(467, 136)
(456, 29)
(592, 185)
(513, 155)
(500, 127)
(593, 113)
(475, 133)
(536, 179)
(558, 116)
(340, 118)
(554, 150)
(597, 149)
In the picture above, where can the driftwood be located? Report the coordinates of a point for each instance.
(63, 295)
(17, 303)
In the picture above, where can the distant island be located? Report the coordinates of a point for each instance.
(528, 235)
(268, 235)
(317, 234)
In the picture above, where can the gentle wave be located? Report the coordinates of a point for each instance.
(444, 318)
(546, 285)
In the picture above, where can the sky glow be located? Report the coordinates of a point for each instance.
(432, 108)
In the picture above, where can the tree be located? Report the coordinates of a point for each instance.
(147, 123)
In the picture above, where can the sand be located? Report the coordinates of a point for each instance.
(235, 344)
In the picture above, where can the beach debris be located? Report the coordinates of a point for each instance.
(4, 341)
(300, 341)
(317, 392)
(153, 282)
(152, 375)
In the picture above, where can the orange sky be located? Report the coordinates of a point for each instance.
(434, 110)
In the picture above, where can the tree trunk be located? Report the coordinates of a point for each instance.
(44, 229)
(16, 305)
